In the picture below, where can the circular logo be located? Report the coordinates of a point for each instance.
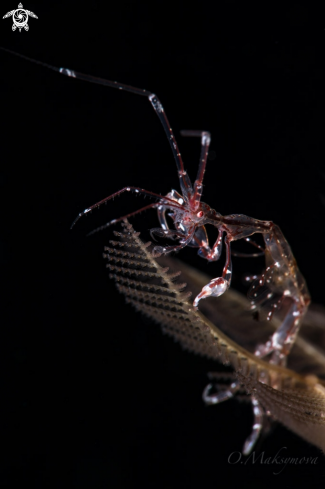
(20, 18)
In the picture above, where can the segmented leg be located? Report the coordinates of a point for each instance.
(283, 339)
(228, 393)
(158, 250)
(223, 395)
(172, 196)
(257, 427)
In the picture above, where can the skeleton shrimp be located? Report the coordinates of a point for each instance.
(190, 217)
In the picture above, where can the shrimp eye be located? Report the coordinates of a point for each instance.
(199, 214)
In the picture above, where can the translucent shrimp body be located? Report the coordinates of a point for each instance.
(190, 217)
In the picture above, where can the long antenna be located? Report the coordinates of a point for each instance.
(185, 182)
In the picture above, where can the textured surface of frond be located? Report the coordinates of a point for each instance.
(301, 410)
(153, 289)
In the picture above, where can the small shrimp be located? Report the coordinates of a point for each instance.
(190, 217)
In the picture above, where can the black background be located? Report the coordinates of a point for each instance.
(92, 395)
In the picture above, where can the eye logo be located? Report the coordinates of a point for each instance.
(20, 18)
